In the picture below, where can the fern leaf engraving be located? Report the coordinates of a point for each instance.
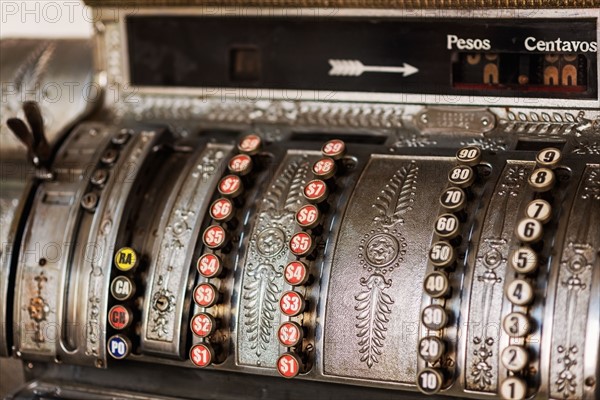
(260, 310)
(373, 307)
(285, 193)
(397, 196)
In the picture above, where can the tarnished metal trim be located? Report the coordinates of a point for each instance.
(178, 230)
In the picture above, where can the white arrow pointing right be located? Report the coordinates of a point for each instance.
(357, 68)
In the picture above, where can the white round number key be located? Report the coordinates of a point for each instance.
(289, 334)
(430, 381)
(434, 317)
(470, 155)
(214, 237)
(513, 388)
(461, 176)
(240, 164)
(516, 325)
(206, 295)
(316, 191)
(446, 226)
(301, 244)
(431, 348)
(288, 365)
(203, 325)
(231, 186)
(335, 149)
(295, 273)
(529, 230)
(540, 210)
(515, 358)
(436, 284)
(524, 260)
(202, 355)
(250, 144)
(519, 292)
(291, 303)
(548, 157)
(442, 254)
(221, 210)
(542, 179)
(308, 216)
(453, 199)
(325, 168)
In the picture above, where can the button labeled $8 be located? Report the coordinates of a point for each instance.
(324, 168)
(240, 164)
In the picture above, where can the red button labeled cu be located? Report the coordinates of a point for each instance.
(296, 273)
(206, 295)
(291, 303)
(288, 365)
(203, 325)
(250, 144)
(289, 334)
(316, 191)
(214, 237)
(301, 244)
(308, 216)
(202, 355)
(209, 265)
(221, 210)
(119, 317)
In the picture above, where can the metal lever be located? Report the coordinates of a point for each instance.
(33, 137)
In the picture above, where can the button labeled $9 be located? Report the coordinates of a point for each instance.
(335, 149)
(250, 144)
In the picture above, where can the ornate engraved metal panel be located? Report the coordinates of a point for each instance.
(372, 317)
(262, 281)
(484, 319)
(178, 230)
(578, 263)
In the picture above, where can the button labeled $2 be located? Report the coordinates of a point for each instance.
(289, 334)
(203, 324)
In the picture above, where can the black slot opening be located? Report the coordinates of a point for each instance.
(537, 145)
(348, 138)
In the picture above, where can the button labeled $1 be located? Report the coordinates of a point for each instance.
(288, 365)
(202, 355)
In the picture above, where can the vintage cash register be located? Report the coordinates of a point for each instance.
(305, 199)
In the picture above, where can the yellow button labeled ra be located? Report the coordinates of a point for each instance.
(126, 259)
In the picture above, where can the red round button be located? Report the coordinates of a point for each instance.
(209, 265)
(308, 216)
(240, 164)
(291, 303)
(231, 186)
(250, 144)
(288, 365)
(334, 148)
(301, 244)
(202, 355)
(206, 295)
(214, 237)
(316, 191)
(325, 168)
(289, 334)
(203, 324)
(296, 273)
(221, 210)
(119, 317)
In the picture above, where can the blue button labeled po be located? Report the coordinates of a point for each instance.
(118, 347)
